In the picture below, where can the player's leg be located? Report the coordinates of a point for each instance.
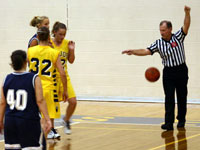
(11, 134)
(57, 114)
(69, 112)
(53, 107)
(71, 106)
(30, 134)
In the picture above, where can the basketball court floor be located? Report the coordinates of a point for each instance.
(125, 126)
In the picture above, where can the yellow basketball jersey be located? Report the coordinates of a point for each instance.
(63, 50)
(42, 61)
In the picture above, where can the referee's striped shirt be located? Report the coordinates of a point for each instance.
(172, 51)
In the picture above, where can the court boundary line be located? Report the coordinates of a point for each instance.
(130, 99)
(130, 129)
(177, 141)
(128, 124)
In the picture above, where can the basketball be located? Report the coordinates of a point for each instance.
(152, 74)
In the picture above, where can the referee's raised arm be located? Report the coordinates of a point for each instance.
(187, 19)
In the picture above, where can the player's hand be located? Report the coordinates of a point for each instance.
(128, 52)
(65, 96)
(47, 126)
(187, 9)
(71, 45)
(1, 128)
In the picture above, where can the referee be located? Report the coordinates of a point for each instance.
(175, 73)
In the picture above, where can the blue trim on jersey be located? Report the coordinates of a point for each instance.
(33, 81)
(33, 38)
(20, 73)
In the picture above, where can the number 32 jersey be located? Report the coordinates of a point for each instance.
(42, 61)
(19, 93)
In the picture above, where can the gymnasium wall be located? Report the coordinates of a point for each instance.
(101, 30)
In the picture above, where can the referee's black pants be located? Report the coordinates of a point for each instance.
(175, 79)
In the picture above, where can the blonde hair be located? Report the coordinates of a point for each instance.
(37, 20)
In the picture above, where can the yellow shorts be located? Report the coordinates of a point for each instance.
(53, 104)
(70, 89)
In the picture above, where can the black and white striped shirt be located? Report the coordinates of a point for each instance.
(172, 51)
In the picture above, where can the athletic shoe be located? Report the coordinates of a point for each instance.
(167, 126)
(56, 135)
(50, 135)
(181, 125)
(67, 127)
(53, 134)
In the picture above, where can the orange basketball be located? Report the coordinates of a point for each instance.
(152, 74)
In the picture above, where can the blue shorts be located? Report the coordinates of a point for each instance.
(23, 134)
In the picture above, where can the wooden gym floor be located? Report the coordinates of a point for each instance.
(125, 126)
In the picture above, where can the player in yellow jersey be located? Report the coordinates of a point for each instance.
(44, 60)
(66, 49)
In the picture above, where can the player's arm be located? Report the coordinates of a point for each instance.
(28, 57)
(187, 19)
(63, 78)
(138, 52)
(42, 105)
(71, 55)
(2, 109)
(33, 43)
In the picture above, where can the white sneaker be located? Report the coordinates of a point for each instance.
(50, 135)
(56, 135)
(53, 134)
(67, 128)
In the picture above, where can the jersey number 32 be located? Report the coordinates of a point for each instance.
(46, 65)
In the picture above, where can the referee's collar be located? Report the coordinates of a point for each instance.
(167, 40)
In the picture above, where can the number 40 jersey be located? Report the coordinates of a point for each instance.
(19, 92)
(42, 61)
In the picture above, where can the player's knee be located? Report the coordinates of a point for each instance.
(73, 101)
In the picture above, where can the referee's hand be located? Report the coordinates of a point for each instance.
(187, 9)
(128, 52)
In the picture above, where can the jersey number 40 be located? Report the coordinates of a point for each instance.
(21, 99)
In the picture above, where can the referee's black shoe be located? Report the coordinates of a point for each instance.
(181, 125)
(167, 126)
